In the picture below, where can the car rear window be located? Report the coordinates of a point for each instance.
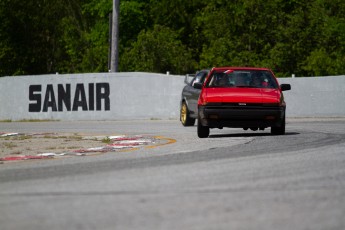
(242, 79)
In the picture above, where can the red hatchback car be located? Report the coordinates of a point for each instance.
(241, 97)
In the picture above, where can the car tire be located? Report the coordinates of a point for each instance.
(186, 120)
(279, 130)
(203, 131)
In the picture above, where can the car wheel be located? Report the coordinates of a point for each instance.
(203, 131)
(186, 120)
(279, 130)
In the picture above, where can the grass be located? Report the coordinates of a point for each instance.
(36, 120)
(16, 153)
(52, 148)
(29, 120)
(50, 137)
(76, 137)
(5, 121)
(73, 147)
(69, 138)
(10, 145)
(106, 140)
(18, 138)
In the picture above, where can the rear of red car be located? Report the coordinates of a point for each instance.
(248, 98)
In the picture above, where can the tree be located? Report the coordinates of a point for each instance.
(327, 55)
(303, 37)
(158, 50)
(31, 35)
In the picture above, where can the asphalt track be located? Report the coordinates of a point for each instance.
(233, 180)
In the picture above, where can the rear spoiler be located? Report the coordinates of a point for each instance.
(188, 78)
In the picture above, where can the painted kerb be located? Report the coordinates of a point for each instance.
(116, 96)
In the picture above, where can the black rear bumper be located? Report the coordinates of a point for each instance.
(241, 116)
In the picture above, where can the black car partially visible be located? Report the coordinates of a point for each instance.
(190, 96)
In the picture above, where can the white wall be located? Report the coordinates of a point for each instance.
(144, 96)
(315, 96)
(132, 96)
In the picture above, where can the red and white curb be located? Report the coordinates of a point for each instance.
(119, 143)
(115, 144)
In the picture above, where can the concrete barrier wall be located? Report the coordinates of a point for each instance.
(113, 96)
(131, 96)
(315, 96)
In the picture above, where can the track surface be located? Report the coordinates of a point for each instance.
(232, 180)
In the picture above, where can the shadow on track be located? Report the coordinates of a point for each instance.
(251, 135)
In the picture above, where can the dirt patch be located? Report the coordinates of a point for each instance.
(17, 146)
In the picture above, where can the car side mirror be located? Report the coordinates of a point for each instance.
(197, 85)
(285, 87)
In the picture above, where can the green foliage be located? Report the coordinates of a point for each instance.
(301, 37)
(158, 50)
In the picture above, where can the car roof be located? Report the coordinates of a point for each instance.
(238, 68)
(203, 70)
